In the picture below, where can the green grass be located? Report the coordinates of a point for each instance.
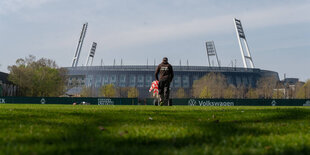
(67, 129)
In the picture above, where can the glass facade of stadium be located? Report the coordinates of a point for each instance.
(141, 77)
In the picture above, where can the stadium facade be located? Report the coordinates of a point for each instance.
(141, 77)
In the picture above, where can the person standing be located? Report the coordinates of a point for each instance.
(165, 72)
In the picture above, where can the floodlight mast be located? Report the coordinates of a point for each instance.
(76, 57)
(241, 36)
(211, 51)
(91, 55)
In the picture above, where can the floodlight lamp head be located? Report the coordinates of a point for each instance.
(210, 48)
(239, 28)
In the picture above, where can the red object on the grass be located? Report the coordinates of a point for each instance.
(154, 87)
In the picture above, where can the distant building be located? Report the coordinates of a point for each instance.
(289, 87)
(291, 81)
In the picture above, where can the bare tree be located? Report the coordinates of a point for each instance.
(212, 83)
(86, 92)
(279, 91)
(304, 91)
(241, 91)
(133, 92)
(251, 93)
(108, 91)
(230, 92)
(180, 93)
(266, 86)
(205, 93)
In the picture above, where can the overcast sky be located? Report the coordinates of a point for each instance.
(277, 31)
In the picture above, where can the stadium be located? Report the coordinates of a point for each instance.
(141, 76)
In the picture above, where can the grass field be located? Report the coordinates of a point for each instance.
(67, 129)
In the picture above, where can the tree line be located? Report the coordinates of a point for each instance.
(110, 90)
(214, 85)
(43, 77)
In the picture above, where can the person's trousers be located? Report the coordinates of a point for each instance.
(164, 91)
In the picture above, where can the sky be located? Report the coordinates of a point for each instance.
(141, 31)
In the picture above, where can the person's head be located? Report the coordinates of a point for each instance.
(165, 59)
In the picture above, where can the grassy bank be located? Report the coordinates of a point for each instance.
(67, 129)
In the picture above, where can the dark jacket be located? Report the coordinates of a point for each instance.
(165, 72)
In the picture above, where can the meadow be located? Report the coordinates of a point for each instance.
(93, 129)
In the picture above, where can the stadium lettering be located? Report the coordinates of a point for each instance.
(208, 103)
(2, 100)
(193, 102)
(105, 101)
